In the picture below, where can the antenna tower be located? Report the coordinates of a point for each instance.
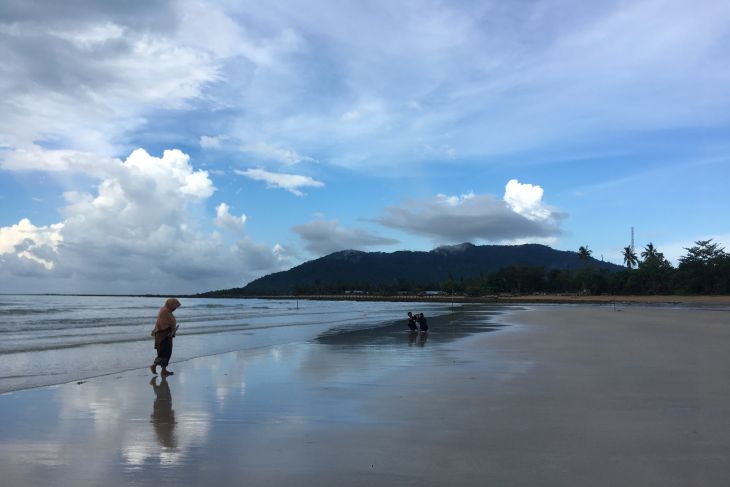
(632, 239)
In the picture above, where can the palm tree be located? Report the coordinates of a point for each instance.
(630, 258)
(584, 253)
(656, 267)
(649, 252)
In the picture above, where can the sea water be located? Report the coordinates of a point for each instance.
(48, 340)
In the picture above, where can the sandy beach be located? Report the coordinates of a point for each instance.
(561, 395)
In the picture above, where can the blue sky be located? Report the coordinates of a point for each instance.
(185, 146)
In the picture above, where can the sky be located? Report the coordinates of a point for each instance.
(184, 146)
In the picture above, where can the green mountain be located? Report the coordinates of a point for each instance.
(352, 269)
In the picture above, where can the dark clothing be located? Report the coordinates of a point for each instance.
(412, 324)
(423, 325)
(161, 335)
(164, 349)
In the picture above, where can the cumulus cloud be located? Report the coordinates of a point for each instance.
(289, 182)
(322, 237)
(224, 219)
(526, 200)
(519, 216)
(169, 173)
(27, 241)
(134, 233)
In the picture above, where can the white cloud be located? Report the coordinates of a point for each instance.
(85, 74)
(171, 171)
(326, 236)
(278, 249)
(454, 200)
(27, 241)
(286, 254)
(486, 80)
(211, 142)
(483, 79)
(224, 219)
(135, 233)
(88, 37)
(289, 182)
(526, 200)
(281, 155)
(86, 80)
(445, 219)
(34, 158)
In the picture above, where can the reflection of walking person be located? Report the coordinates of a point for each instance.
(164, 332)
(163, 417)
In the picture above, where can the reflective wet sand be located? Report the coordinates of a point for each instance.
(563, 396)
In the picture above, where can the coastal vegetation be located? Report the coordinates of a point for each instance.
(487, 270)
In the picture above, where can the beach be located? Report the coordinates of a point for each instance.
(531, 395)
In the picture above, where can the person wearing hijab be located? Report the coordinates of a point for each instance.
(164, 332)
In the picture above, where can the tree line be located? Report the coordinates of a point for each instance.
(703, 269)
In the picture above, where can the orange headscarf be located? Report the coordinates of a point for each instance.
(165, 318)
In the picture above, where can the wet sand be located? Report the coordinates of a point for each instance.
(565, 395)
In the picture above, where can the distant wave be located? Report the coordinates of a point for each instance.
(106, 339)
(39, 325)
(31, 311)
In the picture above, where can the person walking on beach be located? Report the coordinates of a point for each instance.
(164, 332)
(411, 321)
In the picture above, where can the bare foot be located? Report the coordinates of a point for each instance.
(153, 369)
(165, 373)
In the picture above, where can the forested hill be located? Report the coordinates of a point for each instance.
(350, 269)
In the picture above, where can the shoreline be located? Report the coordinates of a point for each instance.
(559, 298)
(695, 300)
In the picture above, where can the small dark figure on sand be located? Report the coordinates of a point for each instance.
(422, 323)
(164, 332)
(411, 321)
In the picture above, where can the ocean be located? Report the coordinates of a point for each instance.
(47, 340)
